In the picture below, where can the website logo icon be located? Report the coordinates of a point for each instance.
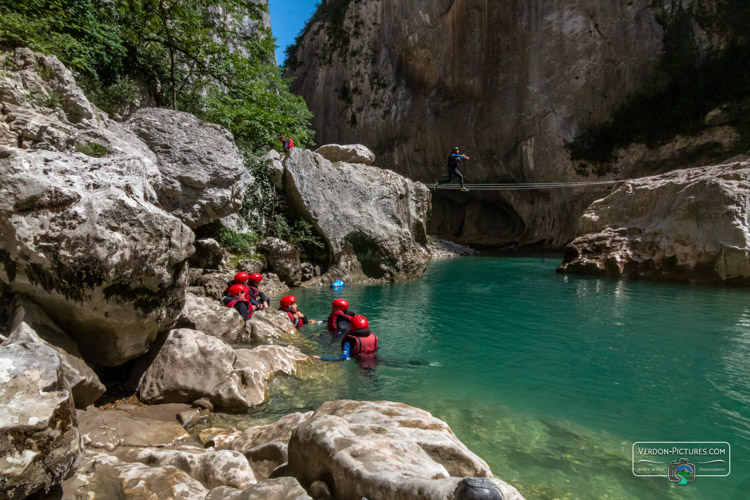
(681, 472)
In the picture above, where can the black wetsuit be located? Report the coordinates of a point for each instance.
(453, 162)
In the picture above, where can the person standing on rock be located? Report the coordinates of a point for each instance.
(454, 160)
(360, 343)
(289, 306)
(236, 298)
(287, 144)
(340, 317)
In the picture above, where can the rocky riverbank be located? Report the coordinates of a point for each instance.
(105, 295)
(690, 225)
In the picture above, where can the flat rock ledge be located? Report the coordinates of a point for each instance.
(384, 450)
(689, 225)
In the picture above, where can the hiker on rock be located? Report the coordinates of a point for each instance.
(287, 144)
(454, 161)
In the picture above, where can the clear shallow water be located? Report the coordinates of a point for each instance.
(549, 378)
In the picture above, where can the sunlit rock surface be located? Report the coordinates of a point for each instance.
(688, 225)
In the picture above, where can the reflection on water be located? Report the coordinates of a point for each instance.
(549, 378)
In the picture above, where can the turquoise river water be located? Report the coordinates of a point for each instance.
(549, 378)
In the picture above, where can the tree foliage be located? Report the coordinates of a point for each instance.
(209, 57)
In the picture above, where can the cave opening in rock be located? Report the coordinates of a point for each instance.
(489, 222)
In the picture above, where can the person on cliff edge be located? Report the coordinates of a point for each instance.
(287, 144)
(454, 160)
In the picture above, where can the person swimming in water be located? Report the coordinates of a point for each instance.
(289, 305)
(360, 343)
(340, 317)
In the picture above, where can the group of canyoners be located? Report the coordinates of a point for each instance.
(244, 295)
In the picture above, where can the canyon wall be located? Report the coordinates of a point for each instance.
(509, 82)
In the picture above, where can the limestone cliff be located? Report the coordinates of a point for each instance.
(510, 82)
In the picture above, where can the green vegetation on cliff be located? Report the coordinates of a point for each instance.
(694, 78)
(209, 57)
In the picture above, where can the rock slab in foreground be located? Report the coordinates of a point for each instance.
(39, 441)
(688, 225)
(383, 450)
(373, 220)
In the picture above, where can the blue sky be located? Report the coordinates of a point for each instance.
(288, 17)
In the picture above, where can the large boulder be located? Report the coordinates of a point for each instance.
(208, 254)
(687, 225)
(210, 317)
(191, 365)
(266, 446)
(372, 220)
(84, 237)
(30, 324)
(348, 153)
(383, 450)
(203, 174)
(39, 440)
(283, 259)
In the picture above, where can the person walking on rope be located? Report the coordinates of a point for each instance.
(453, 162)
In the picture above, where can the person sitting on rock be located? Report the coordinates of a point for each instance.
(360, 343)
(289, 306)
(340, 317)
(239, 279)
(236, 298)
(257, 298)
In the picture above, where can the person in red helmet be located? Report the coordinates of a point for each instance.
(239, 279)
(257, 298)
(288, 304)
(340, 317)
(359, 343)
(236, 298)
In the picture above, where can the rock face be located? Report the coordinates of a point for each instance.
(30, 324)
(210, 317)
(191, 365)
(283, 259)
(687, 225)
(508, 82)
(395, 451)
(39, 441)
(82, 236)
(372, 220)
(208, 254)
(351, 153)
(203, 176)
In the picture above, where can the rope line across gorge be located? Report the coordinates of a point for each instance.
(517, 186)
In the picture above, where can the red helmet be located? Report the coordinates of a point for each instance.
(256, 277)
(241, 277)
(235, 290)
(340, 304)
(288, 301)
(359, 322)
